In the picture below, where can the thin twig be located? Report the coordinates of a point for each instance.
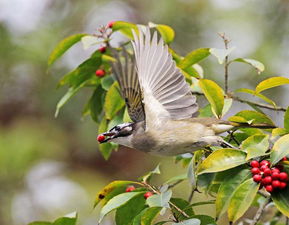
(191, 194)
(174, 184)
(261, 105)
(287, 220)
(260, 211)
(264, 194)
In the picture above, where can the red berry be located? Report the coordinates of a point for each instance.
(284, 158)
(275, 170)
(280, 167)
(264, 162)
(283, 176)
(110, 24)
(275, 176)
(255, 170)
(276, 183)
(257, 178)
(254, 163)
(267, 180)
(263, 167)
(100, 73)
(282, 185)
(147, 194)
(102, 49)
(269, 188)
(101, 138)
(267, 172)
(130, 188)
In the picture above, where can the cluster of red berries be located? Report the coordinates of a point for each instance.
(270, 178)
(132, 188)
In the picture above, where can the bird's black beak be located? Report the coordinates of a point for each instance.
(105, 137)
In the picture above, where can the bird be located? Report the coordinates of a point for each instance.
(160, 103)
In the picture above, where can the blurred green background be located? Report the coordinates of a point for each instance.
(51, 166)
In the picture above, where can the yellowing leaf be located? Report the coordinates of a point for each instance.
(263, 97)
(194, 57)
(271, 82)
(166, 31)
(280, 149)
(214, 94)
(253, 117)
(63, 46)
(255, 145)
(256, 64)
(286, 120)
(125, 28)
(222, 159)
(242, 199)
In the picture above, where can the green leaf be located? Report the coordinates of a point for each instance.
(147, 216)
(160, 200)
(222, 159)
(253, 117)
(89, 40)
(177, 178)
(205, 220)
(227, 105)
(69, 219)
(227, 188)
(194, 57)
(111, 190)
(106, 82)
(147, 177)
(206, 111)
(242, 199)
(70, 93)
(279, 132)
(113, 101)
(166, 31)
(125, 28)
(221, 54)
(116, 202)
(263, 97)
(271, 82)
(184, 206)
(286, 120)
(95, 104)
(188, 222)
(281, 200)
(256, 64)
(255, 145)
(214, 94)
(280, 149)
(63, 46)
(125, 214)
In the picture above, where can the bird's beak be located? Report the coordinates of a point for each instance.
(105, 137)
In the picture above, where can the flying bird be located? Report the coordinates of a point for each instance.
(160, 103)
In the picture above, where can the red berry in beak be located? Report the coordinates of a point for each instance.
(101, 138)
(102, 49)
(110, 24)
(147, 194)
(100, 73)
(130, 188)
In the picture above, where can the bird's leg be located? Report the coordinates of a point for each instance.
(232, 137)
(225, 144)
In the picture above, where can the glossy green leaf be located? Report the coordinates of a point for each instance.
(188, 222)
(184, 206)
(255, 145)
(242, 199)
(221, 54)
(280, 149)
(69, 219)
(63, 46)
(160, 200)
(227, 188)
(95, 104)
(106, 82)
(227, 105)
(222, 159)
(206, 111)
(113, 101)
(286, 120)
(166, 31)
(109, 191)
(194, 57)
(205, 220)
(125, 28)
(271, 82)
(116, 202)
(147, 216)
(256, 64)
(281, 200)
(252, 92)
(214, 94)
(253, 117)
(125, 214)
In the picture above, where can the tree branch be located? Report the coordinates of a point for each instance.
(226, 63)
(261, 105)
(260, 211)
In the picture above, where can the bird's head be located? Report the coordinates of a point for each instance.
(119, 134)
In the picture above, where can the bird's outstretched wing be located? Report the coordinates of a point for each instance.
(165, 91)
(125, 74)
